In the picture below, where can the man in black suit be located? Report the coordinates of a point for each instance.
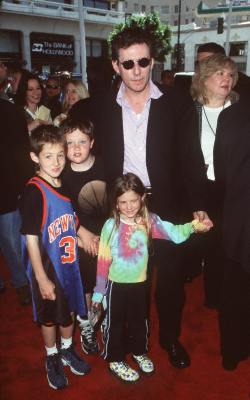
(151, 134)
(15, 169)
(232, 173)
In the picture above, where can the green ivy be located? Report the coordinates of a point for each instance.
(152, 25)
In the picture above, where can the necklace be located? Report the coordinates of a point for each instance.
(210, 126)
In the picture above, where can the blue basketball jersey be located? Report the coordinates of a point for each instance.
(59, 241)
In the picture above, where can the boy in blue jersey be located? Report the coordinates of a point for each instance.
(51, 232)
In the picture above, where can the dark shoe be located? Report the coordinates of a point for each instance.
(178, 356)
(55, 374)
(23, 294)
(2, 287)
(211, 305)
(71, 358)
(229, 365)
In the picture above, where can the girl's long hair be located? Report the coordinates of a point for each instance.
(122, 185)
(20, 98)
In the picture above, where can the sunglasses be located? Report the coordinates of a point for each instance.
(142, 62)
(51, 87)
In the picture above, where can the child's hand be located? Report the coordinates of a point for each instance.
(79, 242)
(95, 305)
(204, 226)
(95, 313)
(95, 244)
(88, 241)
(47, 289)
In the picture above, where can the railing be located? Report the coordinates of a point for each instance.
(61, 10)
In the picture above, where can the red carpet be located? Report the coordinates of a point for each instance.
(22, 370)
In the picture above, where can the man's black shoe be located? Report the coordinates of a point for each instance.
(211, 305)
(229, 365)
(178, 356)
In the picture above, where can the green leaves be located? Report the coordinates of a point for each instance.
(152, 26)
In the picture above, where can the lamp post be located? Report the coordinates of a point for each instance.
(178, 52)
(229, 18)
(82, 42)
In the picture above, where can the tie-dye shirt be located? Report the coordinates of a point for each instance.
(123, 252)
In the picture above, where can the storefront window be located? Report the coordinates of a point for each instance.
(237, 49)
(96, 48)
(10, 46)
(88, 48)
(102, 4)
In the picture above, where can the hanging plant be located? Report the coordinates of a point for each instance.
(151, 24)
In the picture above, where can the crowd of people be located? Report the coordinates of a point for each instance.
(100, 190)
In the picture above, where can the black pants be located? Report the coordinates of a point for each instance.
(170, 294)
(234, 315)
(207, 248)
(127, 327)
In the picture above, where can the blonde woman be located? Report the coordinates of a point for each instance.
(74, 91)
(212, 92)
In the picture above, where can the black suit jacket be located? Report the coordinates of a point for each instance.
(15, 163)
(232, 172)
(173, 154)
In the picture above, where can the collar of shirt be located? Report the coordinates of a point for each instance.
(154, 93)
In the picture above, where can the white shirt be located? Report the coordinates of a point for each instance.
(135, 134)
(209, 124)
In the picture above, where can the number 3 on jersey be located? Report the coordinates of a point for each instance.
(69, 244)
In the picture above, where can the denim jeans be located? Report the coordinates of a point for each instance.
(10, 245)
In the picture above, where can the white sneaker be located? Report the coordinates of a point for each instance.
(145, 364)
(123, 371)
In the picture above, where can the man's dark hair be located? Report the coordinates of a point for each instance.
(85, 126)
(211, 47)
(129, 36)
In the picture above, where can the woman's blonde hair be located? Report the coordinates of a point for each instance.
(205, 69)
(80, 88)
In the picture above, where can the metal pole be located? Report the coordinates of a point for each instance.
(82, 42)
(178, 58)
(229, 18)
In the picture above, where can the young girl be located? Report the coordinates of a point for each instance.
(122, 273)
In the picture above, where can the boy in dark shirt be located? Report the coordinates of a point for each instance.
(85, 181)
